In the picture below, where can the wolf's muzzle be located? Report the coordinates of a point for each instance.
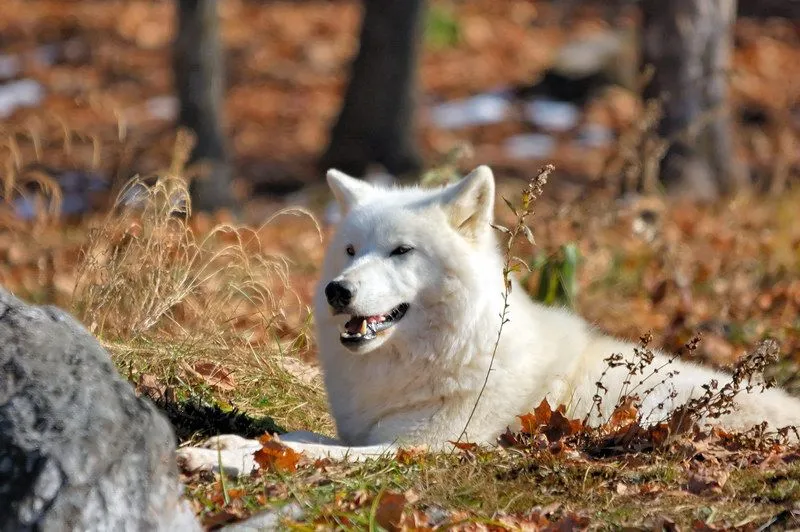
(340, 294)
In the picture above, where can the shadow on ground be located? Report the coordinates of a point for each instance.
(194, 418)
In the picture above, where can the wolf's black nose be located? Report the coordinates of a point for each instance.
(340, 294)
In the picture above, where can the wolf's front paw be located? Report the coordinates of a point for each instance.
(229, 453)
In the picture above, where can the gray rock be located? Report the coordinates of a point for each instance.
(78, 449)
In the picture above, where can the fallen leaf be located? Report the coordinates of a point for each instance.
(658, 434)
(680, 421)
(529, 423)
(508, 438)
(322, 463)
(219, 518)
(390, 510)
(706, 479)
(649, 489)
(625, 414)
(570, 522)
(543, 412)
(149, 386)
(410, 455)
(411, 496)
(276, 456)
(560, 427)
(416, 520)
(465, 446)
(212, 374)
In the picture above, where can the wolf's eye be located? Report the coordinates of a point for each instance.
(400, 250)
(350, 250)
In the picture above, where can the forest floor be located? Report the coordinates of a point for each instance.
(213, 313)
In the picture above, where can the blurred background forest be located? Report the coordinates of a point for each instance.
(521, 81)
(638, 104)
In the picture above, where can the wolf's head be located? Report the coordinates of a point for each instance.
(405, 263)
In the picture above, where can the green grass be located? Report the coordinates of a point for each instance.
(611, 493)
(263, 388)
(442, 29)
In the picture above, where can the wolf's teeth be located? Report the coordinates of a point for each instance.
(363, 329)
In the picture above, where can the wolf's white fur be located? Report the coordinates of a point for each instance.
(418, 381)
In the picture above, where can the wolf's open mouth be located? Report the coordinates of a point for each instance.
(361, 328)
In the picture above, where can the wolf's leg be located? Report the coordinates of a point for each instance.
(234, 454)
(318, 446)
(306, 436)
(230, 453)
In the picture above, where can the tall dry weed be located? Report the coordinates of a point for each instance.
(145, 272)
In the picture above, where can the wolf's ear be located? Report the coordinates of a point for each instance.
(347, 190)
(469, 204)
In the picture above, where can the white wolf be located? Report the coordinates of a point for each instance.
(407, 315)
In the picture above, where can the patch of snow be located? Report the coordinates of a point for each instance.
(530, 146)
(483, 109)
(595, 136)
(552, 115)
(163, 107)
(47, 54)
(10, 66)
(20, 93)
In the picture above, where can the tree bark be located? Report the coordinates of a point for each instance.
(199, 78)
(769, 8)
(689, 43)
(375, 124)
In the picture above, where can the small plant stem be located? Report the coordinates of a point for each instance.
(529, 196)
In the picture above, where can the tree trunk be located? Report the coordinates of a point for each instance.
(199, 79)
(769, 8)
(689, 43)
(375, 124)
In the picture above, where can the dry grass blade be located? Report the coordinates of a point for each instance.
(16, 178)
(146, 272)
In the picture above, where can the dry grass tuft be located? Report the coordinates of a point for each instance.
(167, 298)
(146, 272)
